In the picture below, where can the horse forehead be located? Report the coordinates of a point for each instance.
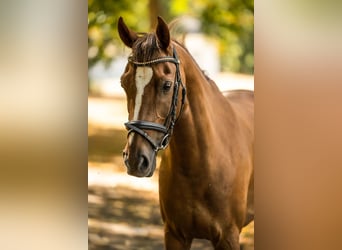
(143, 76)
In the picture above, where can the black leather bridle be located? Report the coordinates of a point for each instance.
(139, 127)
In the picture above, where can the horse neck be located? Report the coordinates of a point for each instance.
(194, 131)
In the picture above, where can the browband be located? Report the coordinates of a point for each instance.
(157, 60)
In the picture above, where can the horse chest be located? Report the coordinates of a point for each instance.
(192, 209)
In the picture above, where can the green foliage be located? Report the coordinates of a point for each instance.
(103, 40)
(230, 23)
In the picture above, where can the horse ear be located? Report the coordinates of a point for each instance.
(163, 34)
(127, 36)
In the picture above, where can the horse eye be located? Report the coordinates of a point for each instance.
(167, 86)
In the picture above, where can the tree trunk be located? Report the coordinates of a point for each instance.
(157, 8)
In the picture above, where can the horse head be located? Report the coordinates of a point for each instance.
(151, 81)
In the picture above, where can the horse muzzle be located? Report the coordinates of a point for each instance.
(140, 153)
(140, 164)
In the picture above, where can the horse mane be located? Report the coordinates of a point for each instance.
(202, 71)
(146, 48)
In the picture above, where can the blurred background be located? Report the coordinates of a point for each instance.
(124, 210)
(224, 28)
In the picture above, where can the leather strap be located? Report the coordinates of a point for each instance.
(138, 126)
(147, 125)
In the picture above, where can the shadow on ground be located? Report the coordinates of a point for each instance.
(127, 219)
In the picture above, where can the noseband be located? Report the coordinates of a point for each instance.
(171, 119)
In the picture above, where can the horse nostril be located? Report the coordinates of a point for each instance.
(143, 162)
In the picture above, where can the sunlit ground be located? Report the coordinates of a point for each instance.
(123, 210)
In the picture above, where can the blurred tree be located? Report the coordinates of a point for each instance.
(103, 40)
(229, 22)
(232, 22)
(157, 8)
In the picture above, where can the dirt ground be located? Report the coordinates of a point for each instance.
(123, 211)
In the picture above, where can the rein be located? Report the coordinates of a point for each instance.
(138, 126)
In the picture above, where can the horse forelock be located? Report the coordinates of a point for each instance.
(146, 48)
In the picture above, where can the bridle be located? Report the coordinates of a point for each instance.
(139, 126)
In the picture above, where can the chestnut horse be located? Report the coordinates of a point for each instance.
(206, 175)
